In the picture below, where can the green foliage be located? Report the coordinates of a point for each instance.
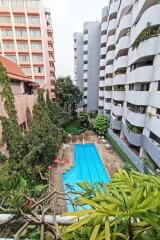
(132, 128)
(101, 124)
(69, 95)
(29, 154)
(74, 128)
(83, 118)
(58, 115)
(149, 32)
(127, 208)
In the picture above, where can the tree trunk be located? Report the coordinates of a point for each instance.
(130, 230)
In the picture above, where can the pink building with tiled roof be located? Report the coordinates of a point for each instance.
(26, 37)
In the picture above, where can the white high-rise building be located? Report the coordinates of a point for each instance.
(78, 59)
(104, 25)
(91, 59)
(132, 78)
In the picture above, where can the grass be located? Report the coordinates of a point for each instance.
(74, 128)
(128, 165)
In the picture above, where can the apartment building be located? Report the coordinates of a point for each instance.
(91, 59)
(104, 25)
(78, 59)
(26, 37)
(132, 78)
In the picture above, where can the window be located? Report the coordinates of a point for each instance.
(158, 88)
(38, 69)
(158, 111)
(21, 33)
(5, 19)
(20, 19)
(4, 3)
(24, 58)
(33, 20)
(37, 58)
(8, 45)
(17, 3)
(22, 46)
(26, 70)
(32, 4)
(36, 46)
(85, 31)
(7, 32)
(12, 57)
(35, 33)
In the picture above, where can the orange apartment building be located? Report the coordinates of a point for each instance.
(26, 37)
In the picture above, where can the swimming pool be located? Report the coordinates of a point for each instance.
(87, 167)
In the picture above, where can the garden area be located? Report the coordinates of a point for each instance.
(126, 208)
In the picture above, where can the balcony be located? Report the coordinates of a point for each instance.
(152, 149)
(107, 106)
(110, 55)
(108, 94)
(154, 99)
(117, 110)
(102, 62)
(85, 47)
(118, 95)
(136, 119)
(124, 5)
(151, 13)
(114, 7)
(115, 124)
(101, 103)
(85, 57)
(111, 40)
(133, 138)
(137, 8)
(103, 51)
(85, 67)
(119, 79)
(121, 62)
(153, 124)
(85, 75)
(85, 84)
(108, 82)
(85, 37)
(123, 43)
(103, 38)
(101, 83)
(136, 161)
(141, 74)
(101, 93)
(125, 22)
(145, 48)
(109, 69)
(102, 73)
(104, 26)
(137, 97)
(112, 24)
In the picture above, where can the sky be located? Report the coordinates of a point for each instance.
(68, 17)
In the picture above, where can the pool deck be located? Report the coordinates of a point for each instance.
(110, 158)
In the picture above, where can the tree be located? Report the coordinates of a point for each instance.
(68, 95)
(25, 180)
(58, 115)
(101, 124)
(127, 208)
(83, 118)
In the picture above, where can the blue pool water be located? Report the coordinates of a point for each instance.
(87, 167)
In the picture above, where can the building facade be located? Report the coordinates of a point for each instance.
(78, 59)
(104, 25)
(26, 37)
(24, 90)
(91, 59)
(132, 78)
